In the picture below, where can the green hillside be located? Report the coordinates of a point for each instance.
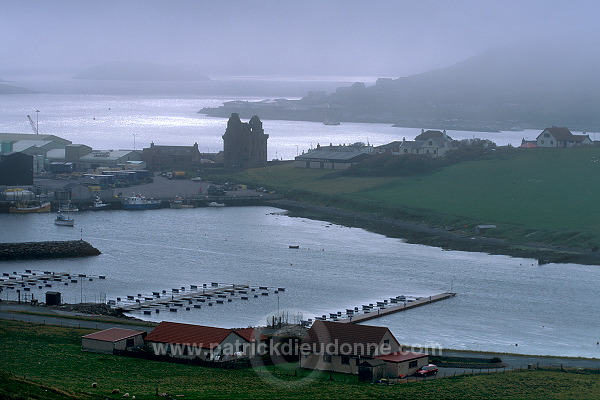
(536, 195)
(46, 362)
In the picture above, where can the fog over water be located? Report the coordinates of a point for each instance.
(269, 37)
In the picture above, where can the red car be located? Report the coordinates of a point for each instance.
(427, 370)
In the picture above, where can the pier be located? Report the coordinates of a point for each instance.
(383, 308)
(194, 297)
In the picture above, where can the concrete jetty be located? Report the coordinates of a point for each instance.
(372, 314)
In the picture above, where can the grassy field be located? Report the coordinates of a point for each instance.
(46, 362)
(543, 195)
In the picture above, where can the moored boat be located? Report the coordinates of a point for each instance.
(68, 207)
(98, 204)
(215, 204)
(180, 203)
(63, 220)
(30, 208)
(139, 202)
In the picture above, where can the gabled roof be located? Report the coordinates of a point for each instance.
(338, 155)
(427, 135)
(343, 335)
(113, 334)
(559, 133)
(250, 334)
(580, 138)
(401, 356)
(391, 145)
(198, 335)
(412, 144)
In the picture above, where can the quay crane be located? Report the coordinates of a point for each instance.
(33, 125)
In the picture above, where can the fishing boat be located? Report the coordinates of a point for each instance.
(68, 207)
(63, 220)
(139, 202)
(215, 204)
(98, 204)
(180, 202)
(30, 208)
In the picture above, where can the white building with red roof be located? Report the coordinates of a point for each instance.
(108, 340)
(370, 351)
(561, 137)
(197, 341)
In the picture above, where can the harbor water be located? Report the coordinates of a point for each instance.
(503, 304)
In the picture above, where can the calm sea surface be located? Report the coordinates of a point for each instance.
(501, 301)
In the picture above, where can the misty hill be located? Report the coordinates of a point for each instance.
(141, 71)
(526, 87)
(10, 89)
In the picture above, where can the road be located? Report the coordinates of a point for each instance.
(11, 312)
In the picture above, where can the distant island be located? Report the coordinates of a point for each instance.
(141, 71)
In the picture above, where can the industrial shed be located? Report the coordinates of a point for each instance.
(112, 339)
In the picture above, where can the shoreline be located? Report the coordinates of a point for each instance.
(415, 233)
(68, 312)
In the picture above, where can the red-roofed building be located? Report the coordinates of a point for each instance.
(332, 346)
(528, 144)
(197, 341)
(108, 340)
(561, 137)
(403, 363)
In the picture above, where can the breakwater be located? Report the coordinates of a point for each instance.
(42, 250)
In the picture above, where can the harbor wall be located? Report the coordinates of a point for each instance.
(42, 250)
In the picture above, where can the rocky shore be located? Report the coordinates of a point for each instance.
(438, 237)
(42, 250)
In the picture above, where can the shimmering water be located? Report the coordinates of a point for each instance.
(106, 118)
(501, 301)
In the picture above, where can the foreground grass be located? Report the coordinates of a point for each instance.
(540, 195)
(46, 362)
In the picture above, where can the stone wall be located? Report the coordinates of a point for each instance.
(41, 250)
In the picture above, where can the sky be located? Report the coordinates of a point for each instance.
(389, 38)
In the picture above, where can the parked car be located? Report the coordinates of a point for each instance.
(427, 370)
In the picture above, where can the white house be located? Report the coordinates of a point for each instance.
(561, 137)
(429, 143)
(197, 341)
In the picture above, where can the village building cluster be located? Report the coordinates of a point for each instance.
(371, 352)
(23, 156)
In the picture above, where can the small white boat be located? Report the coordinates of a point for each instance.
(68, 208)
(98, 204)
(63, 220)
(215, 204)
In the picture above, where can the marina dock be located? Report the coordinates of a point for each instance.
(386, 309)
(193, 297)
